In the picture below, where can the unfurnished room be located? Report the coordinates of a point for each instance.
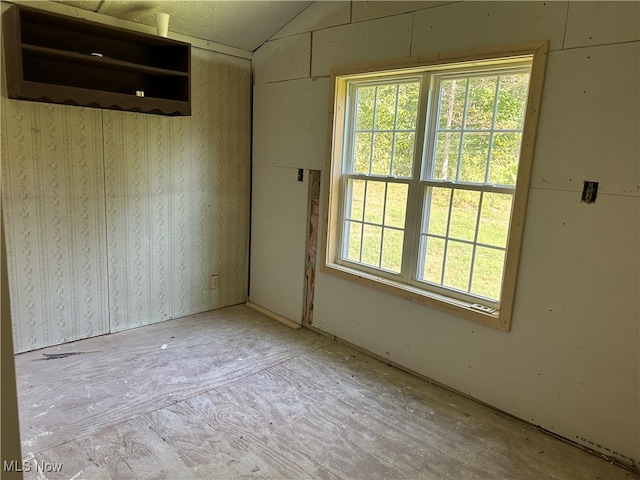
(320, 239)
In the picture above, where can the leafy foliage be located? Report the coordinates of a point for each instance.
(385, 120)
(479, 129)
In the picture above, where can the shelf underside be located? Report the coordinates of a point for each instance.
(43, 92)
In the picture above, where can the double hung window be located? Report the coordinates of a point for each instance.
(427, 188)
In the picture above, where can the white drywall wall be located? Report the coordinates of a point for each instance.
(278, 240)
(571, 362)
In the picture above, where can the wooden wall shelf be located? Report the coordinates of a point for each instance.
(58, 59)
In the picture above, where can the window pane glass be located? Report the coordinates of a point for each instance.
(438, 210)
(392, 249)
(452, 95)
(512, 101)
(403, 154)
(395, 212)
(386, 107)
(464, 214)
(494, 219)
(371, 237)
(362, 152)
(458, 265)
(356, 205)
(475, 153)
(474, 132)
(374, 203)
(364, 107)
(408, 98)
(487, 272)
(505, 153)
(353, 236)
(482, 94)
(446, 158)
(434, 259)
(381, 162)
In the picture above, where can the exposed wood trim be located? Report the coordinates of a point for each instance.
(273, 315)
(537, 52)
(414, 295)
(446, 58)
(516, 228)
(117, 22)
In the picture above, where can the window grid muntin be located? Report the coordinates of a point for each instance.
(351, 125)
(420, 167)
(348, 220)
(429, 180)
(372, 142)
(496, 97)
(425, 235)
(465, 112)
(349, 167)
(395, 132)
(433, 124)
(475, 234)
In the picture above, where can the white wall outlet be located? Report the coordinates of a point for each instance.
(215, 281)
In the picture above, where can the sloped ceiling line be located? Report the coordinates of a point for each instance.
(240, 24)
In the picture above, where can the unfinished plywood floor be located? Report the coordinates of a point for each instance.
(233, 394)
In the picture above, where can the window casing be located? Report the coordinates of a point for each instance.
(429, 170)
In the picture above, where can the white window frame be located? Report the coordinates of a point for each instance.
(406, 285)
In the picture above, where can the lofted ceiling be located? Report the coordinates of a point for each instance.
(240, 24)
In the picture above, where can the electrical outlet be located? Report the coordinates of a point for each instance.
(215, 282)
(589, 192)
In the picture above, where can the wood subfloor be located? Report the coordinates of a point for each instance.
(233, 394)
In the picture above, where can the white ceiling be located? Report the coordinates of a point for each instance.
(241, 24)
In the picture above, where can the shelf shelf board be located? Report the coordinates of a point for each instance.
(72, 61)
(96, 61)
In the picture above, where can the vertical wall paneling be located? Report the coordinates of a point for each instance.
(116, 220)
(159, 178)
(221, 141)
(202, 153)
(239, 181)
(177, 200)
(54, 193)
(131, 247)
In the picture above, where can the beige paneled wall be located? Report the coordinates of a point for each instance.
(177, 200)
(53, 179)
(571, 362)
(116, 219)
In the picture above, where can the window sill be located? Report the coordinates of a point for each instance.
(414, 294)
